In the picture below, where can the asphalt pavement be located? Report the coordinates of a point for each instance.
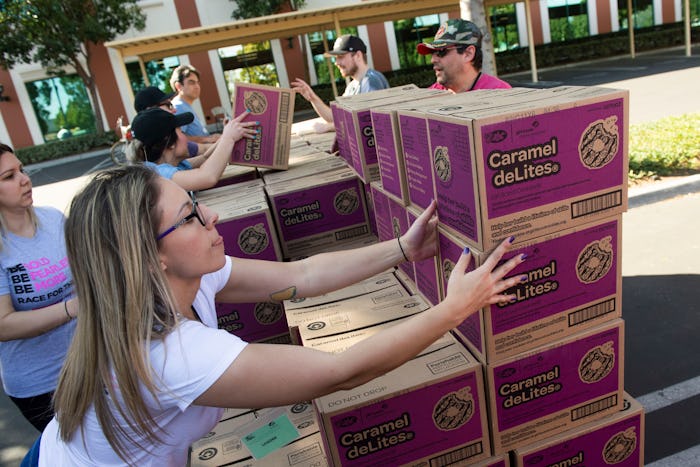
(660, 261)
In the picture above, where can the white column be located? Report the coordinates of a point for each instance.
(521, 20)
(614, 16)
(280, 64)
(544, 15)
(592, 11)
(391, 44)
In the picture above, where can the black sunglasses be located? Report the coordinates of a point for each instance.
(196, 213)
(444, 51)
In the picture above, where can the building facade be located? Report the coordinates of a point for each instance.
(39, 106)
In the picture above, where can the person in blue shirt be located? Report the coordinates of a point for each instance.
(160, 144)
(185, 80)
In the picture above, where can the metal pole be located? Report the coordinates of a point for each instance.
(531, 42)
(630, 27)
(686, 4)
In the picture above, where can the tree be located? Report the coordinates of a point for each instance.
(246, 9)
(474, 11)
(60, 34)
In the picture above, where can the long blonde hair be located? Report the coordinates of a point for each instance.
(30, 210)
(125, 302)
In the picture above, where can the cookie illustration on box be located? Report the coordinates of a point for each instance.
(268, 312)
(620, 447)
(255, 101)
(253, 239)
(396, 227)
(441, 162)
(599, 143)
(597, 363)
(447, 268)
(346, 202)
(454, 410)
(595, 260)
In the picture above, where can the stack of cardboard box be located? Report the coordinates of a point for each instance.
(548, 167)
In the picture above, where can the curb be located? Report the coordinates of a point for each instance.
(54, 162)
(664, 190)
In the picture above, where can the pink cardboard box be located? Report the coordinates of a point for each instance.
(392, 221)
(274, 108)
(557, 387)
(429, 411)
(252, 322)
(617, 439)
(574, 282)
(318, 211)
(358, 139)
(527, 167)
(387, 140)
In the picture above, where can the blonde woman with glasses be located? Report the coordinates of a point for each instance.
(148, 373)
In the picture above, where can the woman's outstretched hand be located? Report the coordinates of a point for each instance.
(485, 285)
(236, 128)
(420, 241)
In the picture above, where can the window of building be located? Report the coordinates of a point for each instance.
(409, 32)
(62, 106)
(250, 63)
(642, 11)
(568, 19)
(695, 12)
(504, 27)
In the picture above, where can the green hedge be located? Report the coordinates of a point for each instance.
(65, 147)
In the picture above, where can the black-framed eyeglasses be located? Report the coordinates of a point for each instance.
(195, 214)
(169, 105)
(444, 51)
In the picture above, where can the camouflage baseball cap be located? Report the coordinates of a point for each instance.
(452, 32)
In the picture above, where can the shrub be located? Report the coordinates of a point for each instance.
(669, 146)
(66, 147)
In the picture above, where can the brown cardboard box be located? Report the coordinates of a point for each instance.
(225, 444)
(274, 108)
(354, 313)
(573, 282)
(318, 211)
(617, 439)
(357, 143)
(429, 411)
(560, 386)
(528, 163)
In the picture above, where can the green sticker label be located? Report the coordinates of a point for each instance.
(270, 437)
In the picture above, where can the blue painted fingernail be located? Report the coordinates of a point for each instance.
(510, 240)
(523, 257)
(512, 299)
(257, 123)
(466, 250)
(247, 110)
(523, 278)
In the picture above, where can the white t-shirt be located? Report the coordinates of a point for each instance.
(188, 361)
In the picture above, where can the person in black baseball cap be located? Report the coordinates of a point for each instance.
(161, 145)
(151, 96)
(457, 57)
(350, 55)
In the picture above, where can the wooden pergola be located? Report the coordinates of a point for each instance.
(301, 22)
